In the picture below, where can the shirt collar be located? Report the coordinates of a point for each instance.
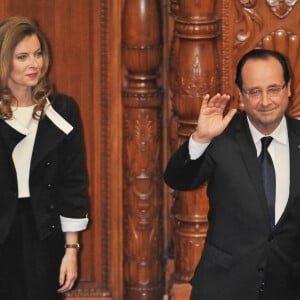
(57, 119)
(280, 134)
(51, 113)
(17, 126)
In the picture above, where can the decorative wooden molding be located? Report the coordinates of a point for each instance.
(252, 19)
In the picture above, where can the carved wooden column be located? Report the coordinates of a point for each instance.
(193, 73)
(143, 234)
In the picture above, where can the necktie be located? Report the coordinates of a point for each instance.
(268, 176)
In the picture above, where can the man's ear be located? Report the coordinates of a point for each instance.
(289, 88)
(240, 100)
(238, 90)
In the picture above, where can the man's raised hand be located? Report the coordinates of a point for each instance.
(211, 120)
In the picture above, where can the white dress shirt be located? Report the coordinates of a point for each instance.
(279, 151)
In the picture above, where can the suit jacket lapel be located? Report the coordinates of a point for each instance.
(11, 137)
(47, 137)
(49, 134)
(294, 144)
(249, 156)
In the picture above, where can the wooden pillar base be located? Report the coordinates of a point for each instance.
(175, 290)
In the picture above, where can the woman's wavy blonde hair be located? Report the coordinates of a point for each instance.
(12, 31)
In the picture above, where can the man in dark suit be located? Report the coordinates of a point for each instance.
(252, 249)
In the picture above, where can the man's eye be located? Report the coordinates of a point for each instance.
(274, 90)
(255, 92)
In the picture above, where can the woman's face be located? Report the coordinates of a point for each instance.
(27, 62)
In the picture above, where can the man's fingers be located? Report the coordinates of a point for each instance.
(219, 101)
(205, 101)
(229, 115)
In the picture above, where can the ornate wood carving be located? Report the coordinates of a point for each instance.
(251, 19)
(281, 8)
(288, 44)
(142, 49)
(193, 73)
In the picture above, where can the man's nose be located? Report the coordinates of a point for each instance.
(265, 98)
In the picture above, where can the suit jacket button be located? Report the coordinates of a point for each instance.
(262, 287)
(260, 269)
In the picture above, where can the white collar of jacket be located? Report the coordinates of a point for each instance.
(52, 114)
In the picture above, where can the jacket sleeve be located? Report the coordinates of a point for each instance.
(72, 188)
(184, 174)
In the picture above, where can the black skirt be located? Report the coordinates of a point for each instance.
(29, 267)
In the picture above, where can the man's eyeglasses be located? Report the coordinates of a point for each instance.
(272, 91)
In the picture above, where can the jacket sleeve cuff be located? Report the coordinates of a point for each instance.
(73, 225)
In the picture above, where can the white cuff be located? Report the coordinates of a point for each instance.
(196, 149)
(73, 225)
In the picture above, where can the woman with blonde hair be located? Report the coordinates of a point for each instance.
(43, 181)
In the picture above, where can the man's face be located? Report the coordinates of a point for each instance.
(264, 95)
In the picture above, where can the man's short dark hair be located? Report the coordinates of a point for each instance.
(262, 54)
